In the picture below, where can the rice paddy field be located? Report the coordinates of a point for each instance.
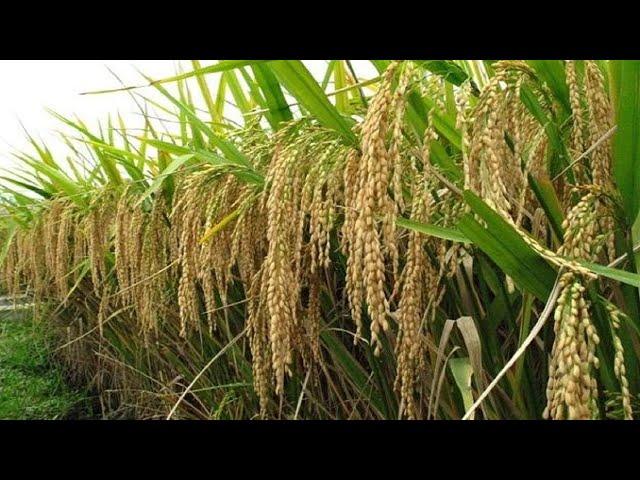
(444, 239)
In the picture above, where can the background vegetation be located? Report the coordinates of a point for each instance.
(31, 387)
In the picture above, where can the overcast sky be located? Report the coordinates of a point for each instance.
(28, 87)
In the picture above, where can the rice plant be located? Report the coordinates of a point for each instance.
(446, 240)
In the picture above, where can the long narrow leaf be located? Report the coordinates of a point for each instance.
(295, 77)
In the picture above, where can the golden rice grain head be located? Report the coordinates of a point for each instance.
(619, 367)
(571, 388)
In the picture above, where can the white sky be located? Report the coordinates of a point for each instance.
(28, 87)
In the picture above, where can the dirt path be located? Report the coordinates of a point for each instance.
(8, 303)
